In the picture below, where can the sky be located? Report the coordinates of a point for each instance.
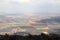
(30, 7)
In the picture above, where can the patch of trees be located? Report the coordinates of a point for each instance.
(30, 37)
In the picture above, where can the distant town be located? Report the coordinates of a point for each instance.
(30, 24)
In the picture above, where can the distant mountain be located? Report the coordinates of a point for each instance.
(13, 14)
(2, 17)
(50, 20)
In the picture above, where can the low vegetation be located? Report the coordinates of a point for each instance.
(30, 37)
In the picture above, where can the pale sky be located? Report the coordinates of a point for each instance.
(42, 7)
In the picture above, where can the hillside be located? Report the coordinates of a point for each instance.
(50, 20)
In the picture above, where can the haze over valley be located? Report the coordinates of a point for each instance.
(31, 16)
